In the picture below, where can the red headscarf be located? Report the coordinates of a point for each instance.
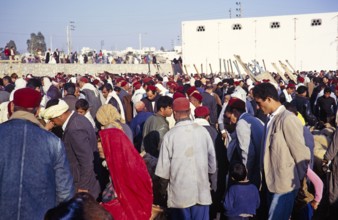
(129, 175)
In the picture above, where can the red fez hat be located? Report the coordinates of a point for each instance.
(301, 79)
(123, 83)
(152, 88)
(266, 80)
(27, 98)
(201, 111)
(96, 81)
(84, 79)
(197, 96)
(137, 85)
(181, 104)
(178, 95)
(180, 89)
(191, 90)
(236, 83)
(147, 79)
(236, 103)
(291, 85)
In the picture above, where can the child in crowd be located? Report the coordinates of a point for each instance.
(242, 198)
(82, 108)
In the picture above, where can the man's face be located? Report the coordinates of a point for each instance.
(77, 92)
(327, 94)
(57, 121)
(150, 95)
(264, 105)
(105, 93)
(168, 111)
(291, 90)
(231, 116)
(81, 111)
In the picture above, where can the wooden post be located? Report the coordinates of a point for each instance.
(225, 66)
(196, 69)
(211, 69)
(186, 71)
(201, 67)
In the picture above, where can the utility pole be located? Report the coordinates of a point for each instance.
(238, 9)
(70, 28)
(230, 13)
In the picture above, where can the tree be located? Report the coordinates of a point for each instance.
(36, 43)
(162, 49)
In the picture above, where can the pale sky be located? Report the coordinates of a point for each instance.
(120, 23)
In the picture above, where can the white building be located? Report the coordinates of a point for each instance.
(308, 42)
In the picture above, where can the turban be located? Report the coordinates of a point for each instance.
(108, 115)
(55, 110)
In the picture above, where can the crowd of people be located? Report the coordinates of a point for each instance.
(134, 146)
(91, 57)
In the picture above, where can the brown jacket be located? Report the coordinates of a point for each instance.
(286, 156)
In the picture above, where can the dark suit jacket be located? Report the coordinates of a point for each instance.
(210, 102)
(148, 103)
(82, 152)
(70, 100)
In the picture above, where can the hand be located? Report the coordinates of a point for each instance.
(82, 190)
(49, 126)
(314, 204)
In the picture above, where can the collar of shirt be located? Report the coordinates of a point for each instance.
(273, 114)
(201, 121)
(66, 122)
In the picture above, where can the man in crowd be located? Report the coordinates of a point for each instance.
(81, 145)
(156, 126)
(285, 157)
(188, 180)
(35, 174)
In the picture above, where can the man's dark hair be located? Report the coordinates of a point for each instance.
(8, 78)
(34, 83)
(198, 83)
(327, 90)
(107, 86)
(238, 171)
(82, 104)
(301, 89)
(164, 101)
(117, 89)
(52, 102)
(265, 90)
(290, 107)
(69, 88)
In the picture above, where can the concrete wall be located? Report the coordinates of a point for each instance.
(52, 69)
(305, 46)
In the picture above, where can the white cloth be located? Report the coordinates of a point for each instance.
(114, 95)
(90, 87)
(55, 110)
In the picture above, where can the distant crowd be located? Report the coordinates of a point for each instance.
(92, 57)
(134, 146)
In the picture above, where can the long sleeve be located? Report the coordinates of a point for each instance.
(63, 176)
(221, 117)
(317, 183)
(332, 150)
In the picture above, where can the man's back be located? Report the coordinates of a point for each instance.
(187, 156)
(82, 152)
(34, 171)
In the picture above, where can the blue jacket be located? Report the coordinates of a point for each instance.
(34, 171)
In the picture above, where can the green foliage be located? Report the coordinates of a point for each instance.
(36, 43)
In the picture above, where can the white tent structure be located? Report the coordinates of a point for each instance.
(307, 41)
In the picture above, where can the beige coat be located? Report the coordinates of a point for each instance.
(286, 156)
